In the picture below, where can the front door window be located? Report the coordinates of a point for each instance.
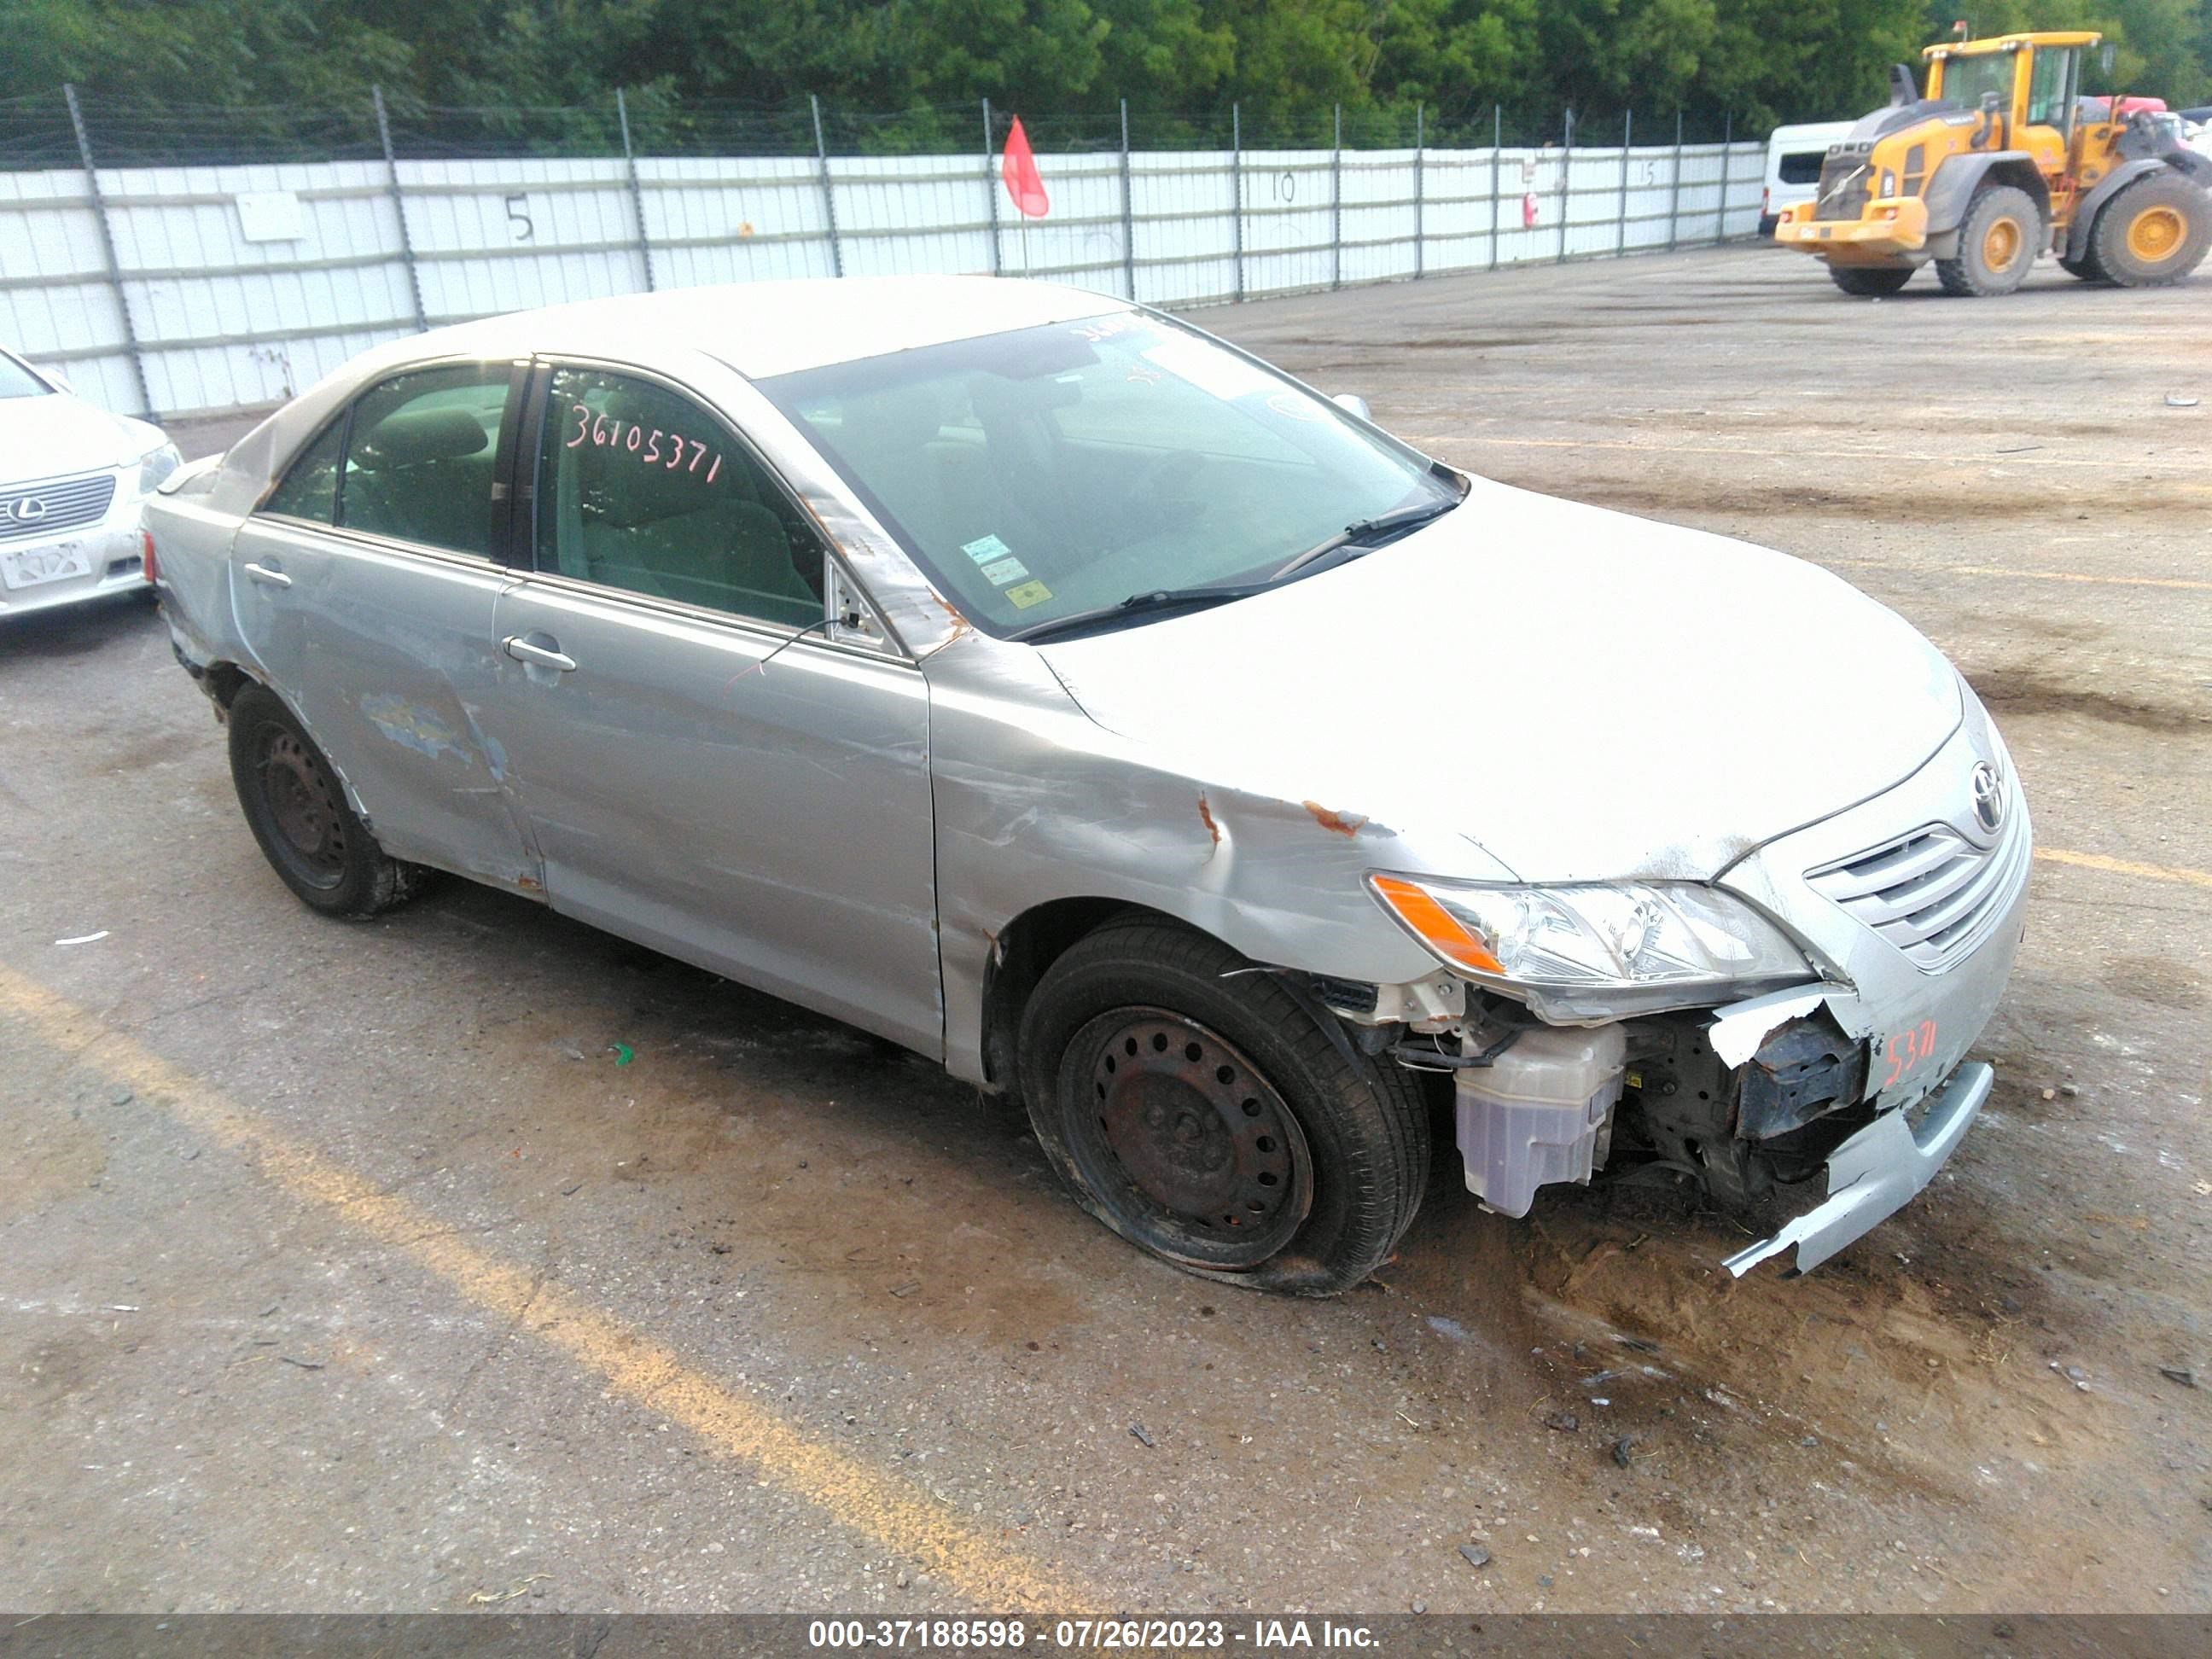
(640, 488)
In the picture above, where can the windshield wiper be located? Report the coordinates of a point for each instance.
(1159, 598)
(1368, 532)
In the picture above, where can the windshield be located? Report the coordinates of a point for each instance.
(1966, 80)
(17, 381)
(1049, 471)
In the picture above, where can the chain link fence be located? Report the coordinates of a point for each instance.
(179, 262)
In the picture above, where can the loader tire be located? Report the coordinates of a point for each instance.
(1998, 240)
(2153, 233)
(1870, 281)
(2085, 267)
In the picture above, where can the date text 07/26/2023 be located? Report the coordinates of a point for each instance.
(1091, 1634)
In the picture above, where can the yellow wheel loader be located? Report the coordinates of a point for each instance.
(2004, 160)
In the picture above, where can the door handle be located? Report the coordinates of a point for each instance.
(268, 574)
(522, 650)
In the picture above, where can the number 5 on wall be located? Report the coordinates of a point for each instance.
(518, 214)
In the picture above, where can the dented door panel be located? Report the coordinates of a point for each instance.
(400, 665)
(765, 819)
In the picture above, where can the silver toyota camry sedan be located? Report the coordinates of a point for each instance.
(1045, 685)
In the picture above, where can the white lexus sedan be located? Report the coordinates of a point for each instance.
(72, 480)
(1033, 680)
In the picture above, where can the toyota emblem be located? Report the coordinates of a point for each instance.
(1987, 784)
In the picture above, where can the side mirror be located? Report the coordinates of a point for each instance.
(1356, 404)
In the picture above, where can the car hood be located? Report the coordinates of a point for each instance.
(1584, 695)
(46, 437)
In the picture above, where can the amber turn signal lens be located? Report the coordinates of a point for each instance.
(1434, 925)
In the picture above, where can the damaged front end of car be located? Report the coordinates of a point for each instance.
(1654, 1099)
(1799, 1025)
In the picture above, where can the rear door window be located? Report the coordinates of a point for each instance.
(310, 488)
(421, 451)
(1801, 166)
(639, 488)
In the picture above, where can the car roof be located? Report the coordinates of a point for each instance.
(29, 369)
(769, 328)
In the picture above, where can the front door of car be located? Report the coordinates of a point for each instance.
(697, 778)
(364, 587)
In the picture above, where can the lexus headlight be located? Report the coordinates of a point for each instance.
(154, 466)
(1639, 946)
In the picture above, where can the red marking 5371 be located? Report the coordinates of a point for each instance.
(1907, 1050)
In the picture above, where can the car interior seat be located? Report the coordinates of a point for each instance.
(423, 475)
(697, 532)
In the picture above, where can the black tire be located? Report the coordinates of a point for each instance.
(1279, 1159)
(2085, 267)
(1870, 281)
(297, 810)
(1998, 240)
(2167, 202)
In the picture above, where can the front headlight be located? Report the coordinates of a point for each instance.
(154, 466)
(1627, 946)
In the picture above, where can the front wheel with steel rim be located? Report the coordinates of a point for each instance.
(1208, 1115)
(1998, 241)
(297, 810)
(2154, 232)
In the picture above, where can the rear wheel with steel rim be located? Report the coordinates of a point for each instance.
(1216, 1121)
(297, 810)
(2153, 232)
(303, 802)
(1998, 240)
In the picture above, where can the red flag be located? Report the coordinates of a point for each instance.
(1018, 167)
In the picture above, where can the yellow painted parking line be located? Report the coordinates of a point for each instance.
(2072, 576)
(874, 1506)
(2122, 867)
(1999, 570)
(1795, 452)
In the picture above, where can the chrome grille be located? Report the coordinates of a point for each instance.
(1933, 893)
(29, 510)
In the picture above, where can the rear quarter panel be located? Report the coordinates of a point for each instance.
(192, 536)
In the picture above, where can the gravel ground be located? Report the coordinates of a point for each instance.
(357, 1268)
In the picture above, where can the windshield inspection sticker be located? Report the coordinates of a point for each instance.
(1028, 594)
(985, 549)
(1006, 570)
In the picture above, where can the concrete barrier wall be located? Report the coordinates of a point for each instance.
(243, 284)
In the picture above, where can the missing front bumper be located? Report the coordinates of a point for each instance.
(1877, 1172)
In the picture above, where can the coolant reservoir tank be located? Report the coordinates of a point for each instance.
(1539, 1112)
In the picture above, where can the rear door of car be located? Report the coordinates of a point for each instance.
(364, 588)
(713, 764)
